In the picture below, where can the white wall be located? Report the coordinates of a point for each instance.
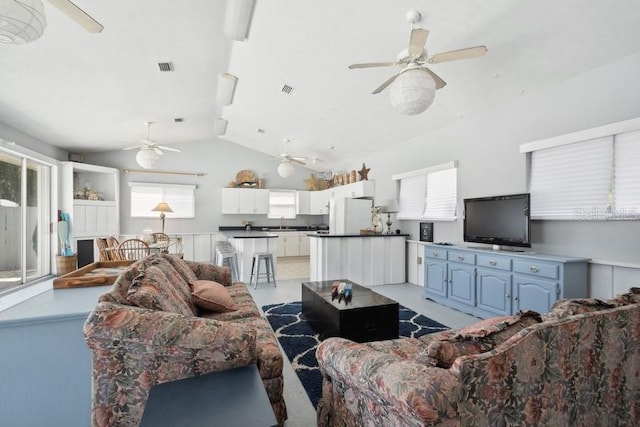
(220, 161)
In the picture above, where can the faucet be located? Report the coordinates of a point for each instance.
(282, 222)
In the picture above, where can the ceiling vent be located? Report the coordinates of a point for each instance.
(260, 130)
(287, 89)
(178, 119)
(165, 66)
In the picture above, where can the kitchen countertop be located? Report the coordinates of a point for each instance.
(237, 234)
(356, 235)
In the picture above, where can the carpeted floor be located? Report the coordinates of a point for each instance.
(299, 340)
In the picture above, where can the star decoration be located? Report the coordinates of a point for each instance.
(363, 173)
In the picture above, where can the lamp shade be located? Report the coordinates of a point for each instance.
(162, 207)
(391, 206)
(413, 91)
(238, 18)
(226, 88)
(147, 158)
(220, 126)
(21, 21)
(286, 169)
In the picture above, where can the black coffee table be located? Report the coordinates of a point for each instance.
(368, 316)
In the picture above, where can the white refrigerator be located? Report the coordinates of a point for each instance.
(349, 216)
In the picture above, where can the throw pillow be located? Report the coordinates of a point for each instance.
(152, 290)
(212, 296)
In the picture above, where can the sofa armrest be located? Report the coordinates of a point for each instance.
(154, 334)
(427, 393)
(206, 271)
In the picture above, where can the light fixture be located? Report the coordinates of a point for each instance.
(162, 207)
(286, 169)
(147, 158)
(21, 21)
(238, 18)
(413, 91)
(390, 207)
(220, 126)
(226, 88)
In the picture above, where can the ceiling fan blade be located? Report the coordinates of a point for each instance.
(295, 160)
(417, 41)
(158, 151)
(133, 147)
(384, 85)
(372, 64)
(78, 15)
(169, 148)
(439, 82)
(454, 55)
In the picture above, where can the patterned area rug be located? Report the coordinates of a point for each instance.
(299, 340)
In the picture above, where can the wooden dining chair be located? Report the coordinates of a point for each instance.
(132, 249)
(162, 241)
(112, 242)
(103, 249)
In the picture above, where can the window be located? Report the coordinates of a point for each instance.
(25, 206)
(429, 193)
(282, 204)
(145, 196)
(593, 179)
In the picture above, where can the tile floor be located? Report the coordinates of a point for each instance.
(301, 412)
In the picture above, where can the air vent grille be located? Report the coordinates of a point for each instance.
(165, 66)
(260, 130)
(287, 89)
(178, 119)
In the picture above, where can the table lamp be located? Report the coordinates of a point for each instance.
(390, 207)
(162, 207)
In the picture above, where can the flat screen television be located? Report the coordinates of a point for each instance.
(498, 220)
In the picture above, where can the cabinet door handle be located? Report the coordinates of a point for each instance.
(508, 296)
(492, 262)
(460, 257)
(534, 269)
(435, 253)
(515, 298)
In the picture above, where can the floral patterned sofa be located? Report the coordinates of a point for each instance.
(151, 328)
(579, 365)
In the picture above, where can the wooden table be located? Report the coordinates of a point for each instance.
(94, 274)
(368, 316)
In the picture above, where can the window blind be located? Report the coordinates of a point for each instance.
(411, 197)
(627, 175)
(145, 196)
(440, 203)
(282, 204)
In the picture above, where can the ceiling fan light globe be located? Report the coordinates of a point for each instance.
(412, 92)
(21, 21)
(286, 169)
(147, 158)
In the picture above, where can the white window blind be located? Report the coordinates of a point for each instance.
(572, 181)
(429, 193)
(145, 196)
(282, 204)
(627, 175)
(411, 197)
(441, 195)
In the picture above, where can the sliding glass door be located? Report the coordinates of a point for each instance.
(24, 220)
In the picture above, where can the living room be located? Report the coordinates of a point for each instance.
(550, 70)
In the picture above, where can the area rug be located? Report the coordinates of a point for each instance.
(299, 340)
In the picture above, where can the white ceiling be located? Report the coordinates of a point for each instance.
(93, 92)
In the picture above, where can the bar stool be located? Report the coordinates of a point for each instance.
(268, 265)
(226, 257)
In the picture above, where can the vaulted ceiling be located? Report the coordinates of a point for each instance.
(93, 92)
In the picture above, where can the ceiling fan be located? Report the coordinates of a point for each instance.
(78, 15)
(286, 165)
(286, 157)
(150, 152)
(415, 57)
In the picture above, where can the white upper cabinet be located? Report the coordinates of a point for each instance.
(245, 201)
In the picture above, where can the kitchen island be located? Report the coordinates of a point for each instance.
(367, 259)
(246, 243)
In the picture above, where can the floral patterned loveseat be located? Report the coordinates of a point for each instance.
(149, 329)
(579, 365)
